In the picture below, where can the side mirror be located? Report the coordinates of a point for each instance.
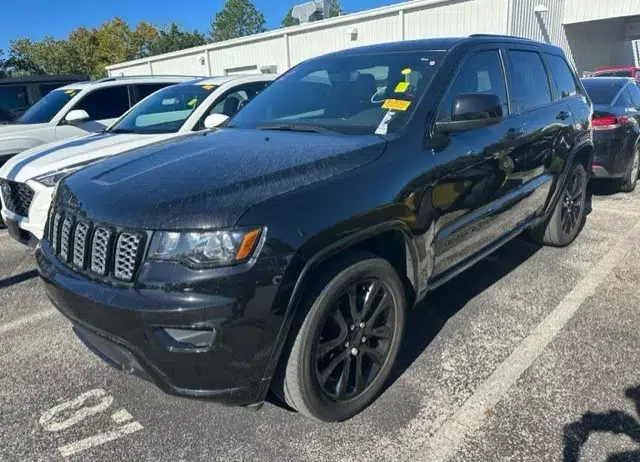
(76, 116)
(471, 111)
(215, 120)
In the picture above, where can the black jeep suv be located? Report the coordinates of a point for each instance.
(283, 249)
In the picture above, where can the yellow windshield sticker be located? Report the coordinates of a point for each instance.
(207, 86)
(192, 102)
(406, 71)
(69, 91)
(396, 104)
(402, 87)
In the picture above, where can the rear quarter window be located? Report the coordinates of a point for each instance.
(562, 76)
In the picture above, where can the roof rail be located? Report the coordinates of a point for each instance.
(127, 77)
(498, 35)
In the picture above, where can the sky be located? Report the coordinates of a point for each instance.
(58, 18)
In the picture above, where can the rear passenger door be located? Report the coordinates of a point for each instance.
(547, 118)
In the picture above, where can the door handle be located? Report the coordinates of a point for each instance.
(563, 115)
(514, 133)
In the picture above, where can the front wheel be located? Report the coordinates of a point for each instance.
(567, 218)
(347, 338)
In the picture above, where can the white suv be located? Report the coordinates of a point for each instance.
(77, 109)
(27, 180)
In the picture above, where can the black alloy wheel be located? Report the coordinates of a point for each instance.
(355, 340)
(345, 338)
(572, 203)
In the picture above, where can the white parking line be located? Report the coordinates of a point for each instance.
(471, 415)
(18, 323)
(100, 439)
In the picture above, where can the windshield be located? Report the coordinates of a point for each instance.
(351, 94)
(47, 107)
(620, 73)
(603, 91)
(165, 111)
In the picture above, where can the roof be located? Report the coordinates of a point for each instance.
(440, 44)
(219, 80)
(607, 80)
(43, 78)
(114, 81)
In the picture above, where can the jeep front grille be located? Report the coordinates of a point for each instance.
(17, 197)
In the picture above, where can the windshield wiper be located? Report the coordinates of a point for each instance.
(296, 128)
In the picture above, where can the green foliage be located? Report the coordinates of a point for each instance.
(238, 18)
(334, 8)
(173, 39)
(289, 20)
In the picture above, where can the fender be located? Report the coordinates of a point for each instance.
(315, 261)
(9, 147)
(562, 179)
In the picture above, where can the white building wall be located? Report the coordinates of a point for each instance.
(590, 10)
(189, 64)
(457, 19)
(256, 54)
(134, 69)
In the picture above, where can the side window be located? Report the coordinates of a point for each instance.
(232, 101)
(634, 92)
(105, 103)
(562, 76)
(529, 83)
(145, 89)
(481, 73)
(624, 99)
(14, 97)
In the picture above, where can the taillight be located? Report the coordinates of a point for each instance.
(608, 122)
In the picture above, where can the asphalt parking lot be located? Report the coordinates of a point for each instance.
(532, 355)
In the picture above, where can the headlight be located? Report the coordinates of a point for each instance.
(52, 179)
(208, 249)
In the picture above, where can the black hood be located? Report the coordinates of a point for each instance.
(208, 180)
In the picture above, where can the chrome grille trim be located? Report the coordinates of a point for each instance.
(126, 258)
(65, 238)
(80, 244)
(55, 232)
(100, 250)
(17, 196)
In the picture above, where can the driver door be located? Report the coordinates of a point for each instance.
(104, 106)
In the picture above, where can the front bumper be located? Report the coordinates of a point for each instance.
(125, 326)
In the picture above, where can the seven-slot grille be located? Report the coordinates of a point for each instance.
(17, 197)
(96, 249)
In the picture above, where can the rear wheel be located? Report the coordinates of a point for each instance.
(567, 219)
(344, 345)
(631, 177)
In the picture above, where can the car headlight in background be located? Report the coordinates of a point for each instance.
(206, 249)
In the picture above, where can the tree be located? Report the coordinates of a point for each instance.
(3, 64)
(333, 9)
(238, 18)
(173, 39)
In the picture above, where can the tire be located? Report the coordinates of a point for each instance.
(303, 363)
(630, 180)
(554, 231)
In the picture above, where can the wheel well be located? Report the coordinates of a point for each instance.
(391, 246)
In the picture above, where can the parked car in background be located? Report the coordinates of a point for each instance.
(624, 71)
(284, 249)
(17, 94)
(28, 179)
(77, 109)
(616, 129)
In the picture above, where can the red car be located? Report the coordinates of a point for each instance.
(625, 71)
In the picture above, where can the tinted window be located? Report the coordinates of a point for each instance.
(105, 103)
(529, 84)
(46, 108)
(145, 89)
(352, 94)
(562, 76)
(481, 73)
(634, 92)
(624, 100)
(602, 91)
(13, 97)
(165, 111)
(622, 73)
(231, 102)
(46, 88)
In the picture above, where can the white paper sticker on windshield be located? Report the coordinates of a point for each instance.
(384, 124)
